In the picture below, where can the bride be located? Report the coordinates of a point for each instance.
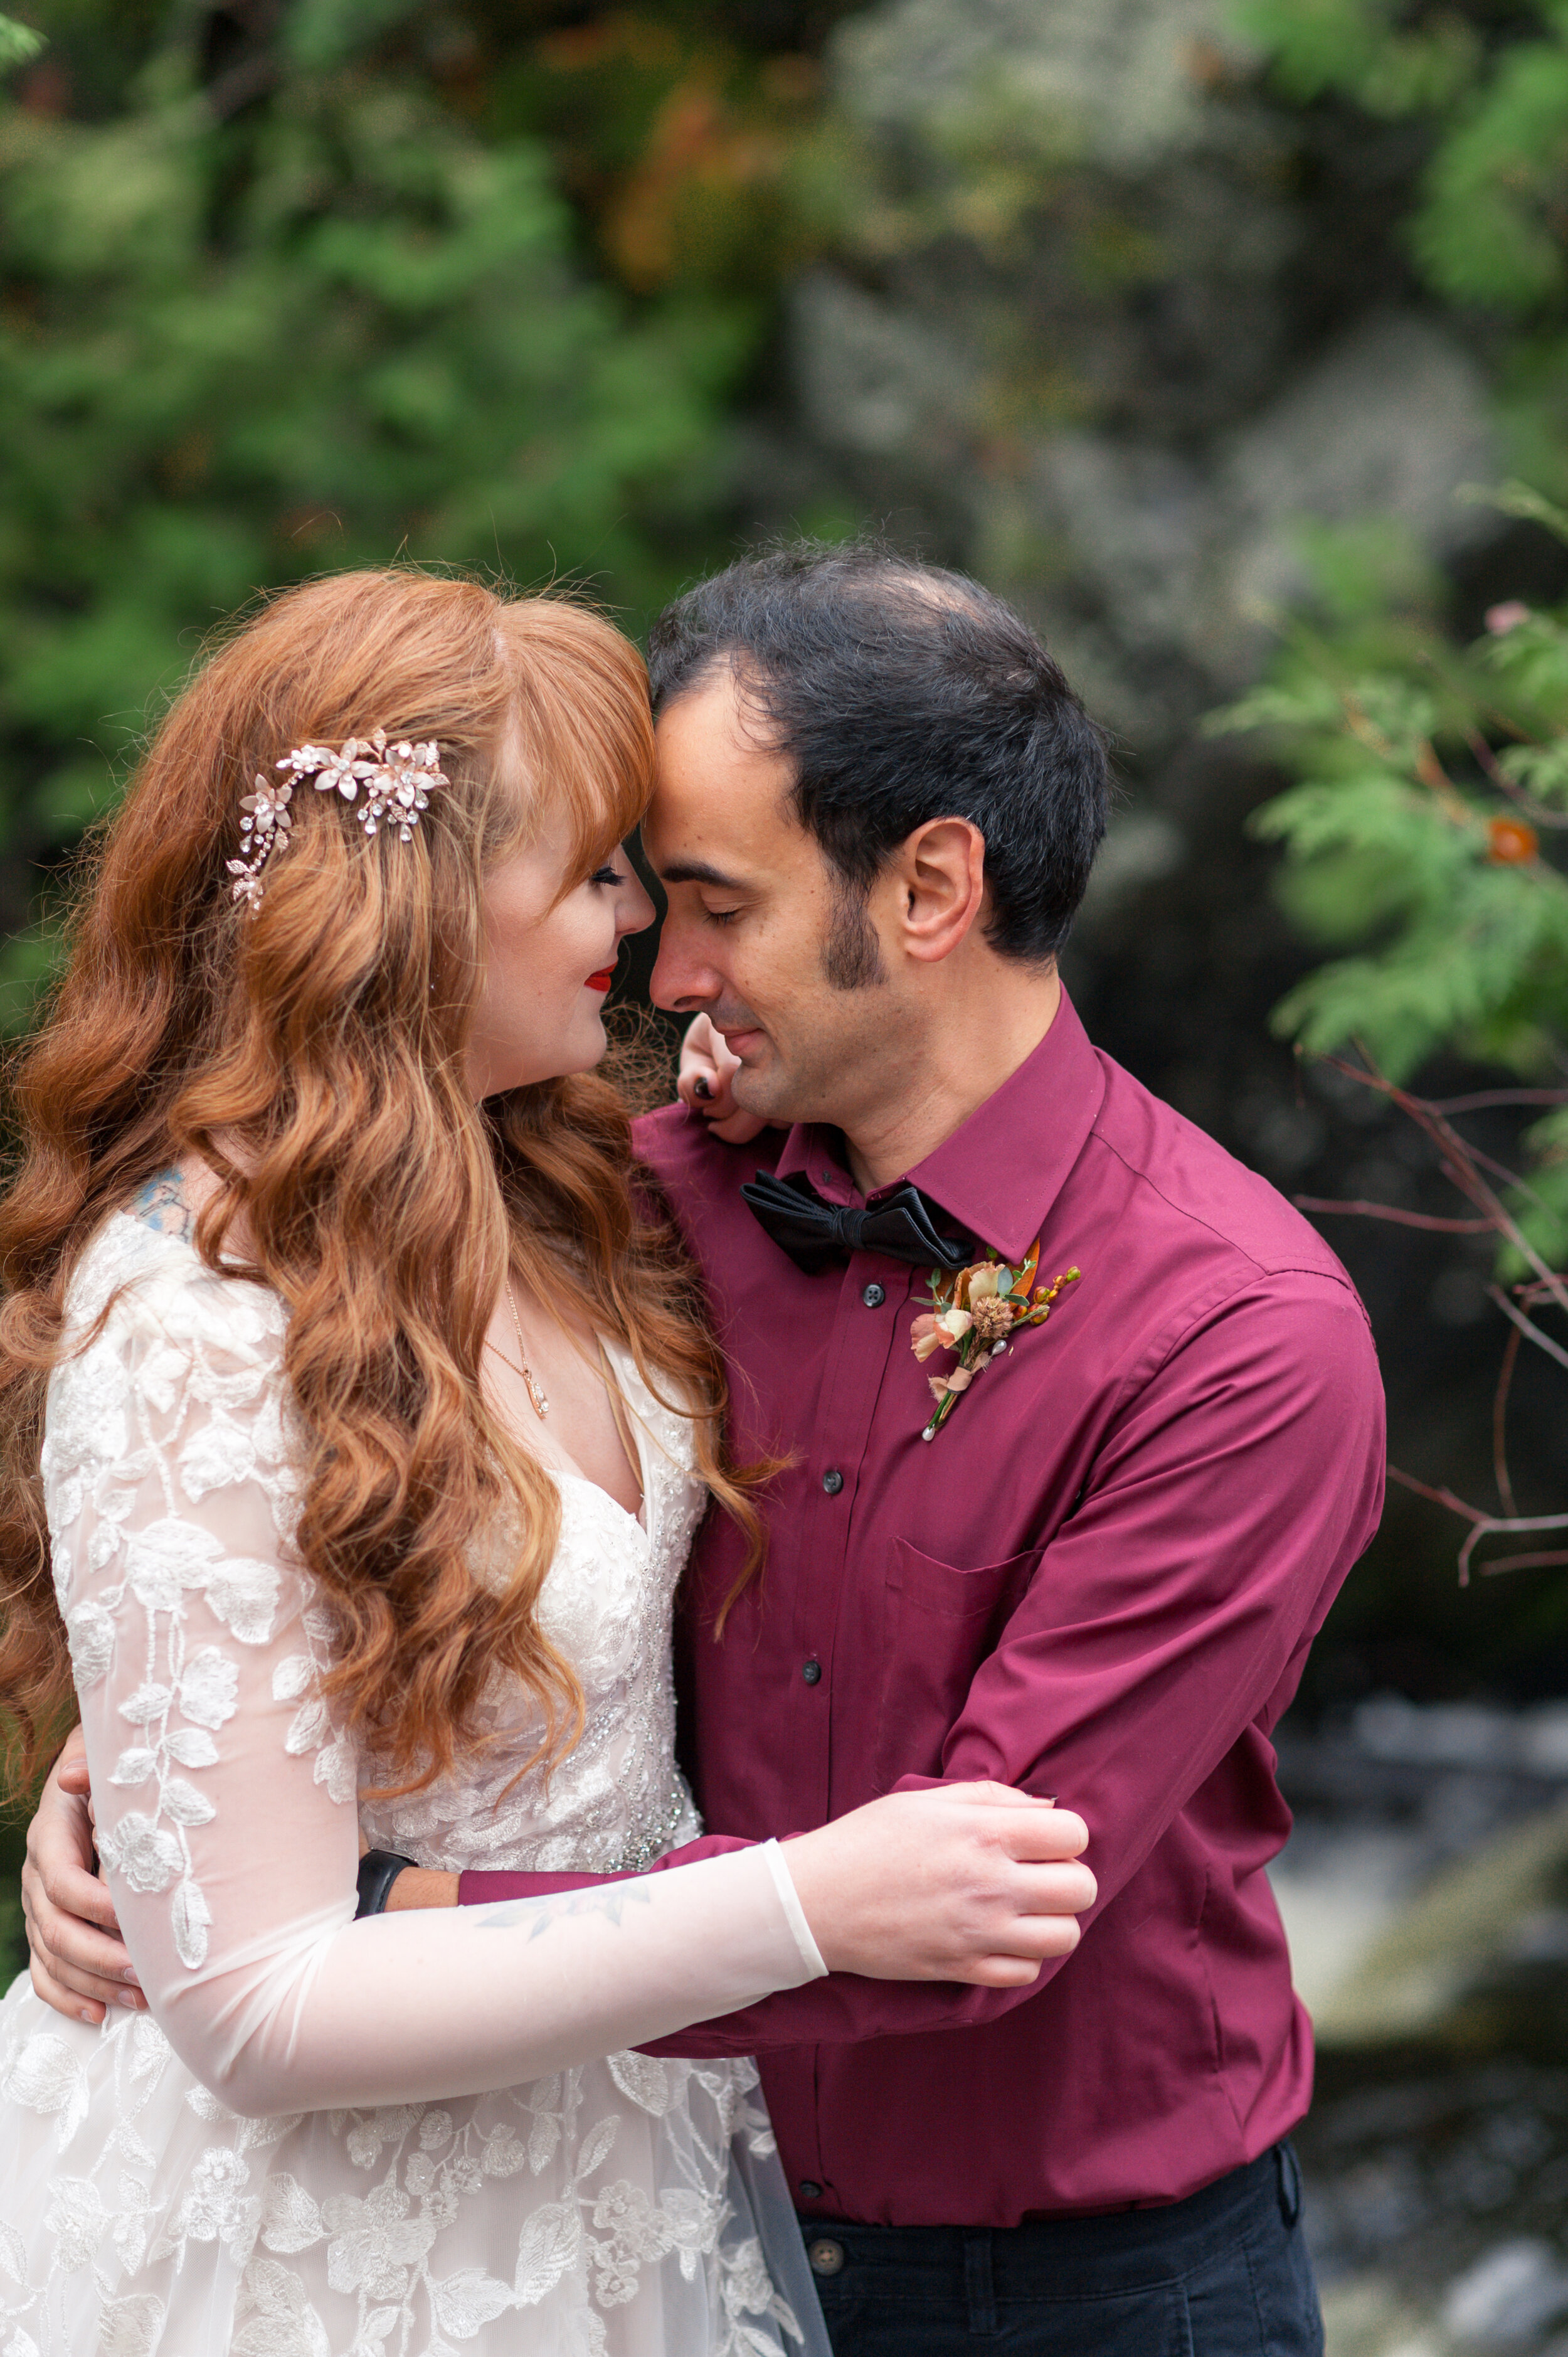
(358, 1409)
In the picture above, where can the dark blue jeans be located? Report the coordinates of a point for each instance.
(1224, 2274)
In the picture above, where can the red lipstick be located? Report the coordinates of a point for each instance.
(602, 980)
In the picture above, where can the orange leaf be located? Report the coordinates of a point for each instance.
(1510, 842)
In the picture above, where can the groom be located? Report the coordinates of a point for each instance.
(1098, 1577)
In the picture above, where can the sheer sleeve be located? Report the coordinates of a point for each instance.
(224, 1795)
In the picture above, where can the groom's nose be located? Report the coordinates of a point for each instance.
(685, 979)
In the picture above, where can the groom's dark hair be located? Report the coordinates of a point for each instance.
(903, 692)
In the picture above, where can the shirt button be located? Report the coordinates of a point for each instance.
(810, 2189)
(833, 1483)
(874, 1296)
(827, 2258)
(811, 1671)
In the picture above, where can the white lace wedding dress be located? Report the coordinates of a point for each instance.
(422, 2134)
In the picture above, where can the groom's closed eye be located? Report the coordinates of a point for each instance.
(713, 885)
(701, 871)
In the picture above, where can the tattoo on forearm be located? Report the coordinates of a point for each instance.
(536, 1915)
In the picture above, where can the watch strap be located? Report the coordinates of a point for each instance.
(378, 1869)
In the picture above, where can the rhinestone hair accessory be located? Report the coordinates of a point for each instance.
(395, 782)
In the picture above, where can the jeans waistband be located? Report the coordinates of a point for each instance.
(1164, 2240)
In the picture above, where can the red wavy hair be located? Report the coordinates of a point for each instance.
(312, 1057)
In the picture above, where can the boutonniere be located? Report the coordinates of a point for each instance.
(973, 1312)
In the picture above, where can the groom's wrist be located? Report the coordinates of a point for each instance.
(422, 1885)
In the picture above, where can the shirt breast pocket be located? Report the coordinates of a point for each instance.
(942, 1620)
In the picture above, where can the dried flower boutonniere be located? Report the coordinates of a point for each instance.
(973, 1312)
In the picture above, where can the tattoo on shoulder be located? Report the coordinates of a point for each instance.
(161, 1205)
(537, 1915)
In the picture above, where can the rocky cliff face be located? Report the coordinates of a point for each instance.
(1109, 327)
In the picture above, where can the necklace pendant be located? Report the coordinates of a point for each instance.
(541, 1406)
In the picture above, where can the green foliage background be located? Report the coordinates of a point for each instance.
(292, 286)
(1424, 839)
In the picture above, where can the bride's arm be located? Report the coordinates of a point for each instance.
(224, 1800)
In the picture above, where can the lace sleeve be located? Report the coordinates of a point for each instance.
(222, 1791)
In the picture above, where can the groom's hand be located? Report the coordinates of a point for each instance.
(707, 1068)
(972, 1882)
(80, 1963)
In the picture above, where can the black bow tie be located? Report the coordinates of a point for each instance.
(814, 1233)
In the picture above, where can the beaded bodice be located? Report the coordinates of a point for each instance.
(617, 1801)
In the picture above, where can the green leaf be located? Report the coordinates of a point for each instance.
(17, 43)
(1489, 230)
(1517, 498)
(1314, 703)
(323, 33)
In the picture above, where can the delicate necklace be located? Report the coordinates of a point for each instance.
(539, 1404)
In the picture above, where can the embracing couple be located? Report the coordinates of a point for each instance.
(393, 1429)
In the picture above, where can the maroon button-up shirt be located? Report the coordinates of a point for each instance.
(1099, 1581)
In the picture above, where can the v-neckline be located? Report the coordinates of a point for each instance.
(618, 1363)
(583, 1481)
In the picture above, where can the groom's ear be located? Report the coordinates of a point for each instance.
(937, 887)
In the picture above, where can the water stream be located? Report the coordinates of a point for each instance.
(1425, 1894)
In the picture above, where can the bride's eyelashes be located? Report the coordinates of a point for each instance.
(608, 875)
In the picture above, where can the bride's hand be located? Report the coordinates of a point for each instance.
(963, 1882)
(707, 1068)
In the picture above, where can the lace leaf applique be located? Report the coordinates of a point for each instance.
(13, 2254)
(338, 1768)
(643, 2080)
(597, 2146)
(291, 1676)
(245, 1594)
(131, 2326)
(192, 1922)
(192, 1746)
(464, 2302)
(46, 2076)
(291, 2217)
(151, 2052)
(90, 1632)
(547, 2247)
(308, 1728)
(146, 1703)
(274, 2317)
(208, 1689)
(217, 1456)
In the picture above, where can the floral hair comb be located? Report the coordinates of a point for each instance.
(396, 781)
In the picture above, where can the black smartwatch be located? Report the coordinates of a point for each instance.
(378, 1869)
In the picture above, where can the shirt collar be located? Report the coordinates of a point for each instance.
(1000, 1170)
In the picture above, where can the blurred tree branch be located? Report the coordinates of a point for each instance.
(1461, 1165)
